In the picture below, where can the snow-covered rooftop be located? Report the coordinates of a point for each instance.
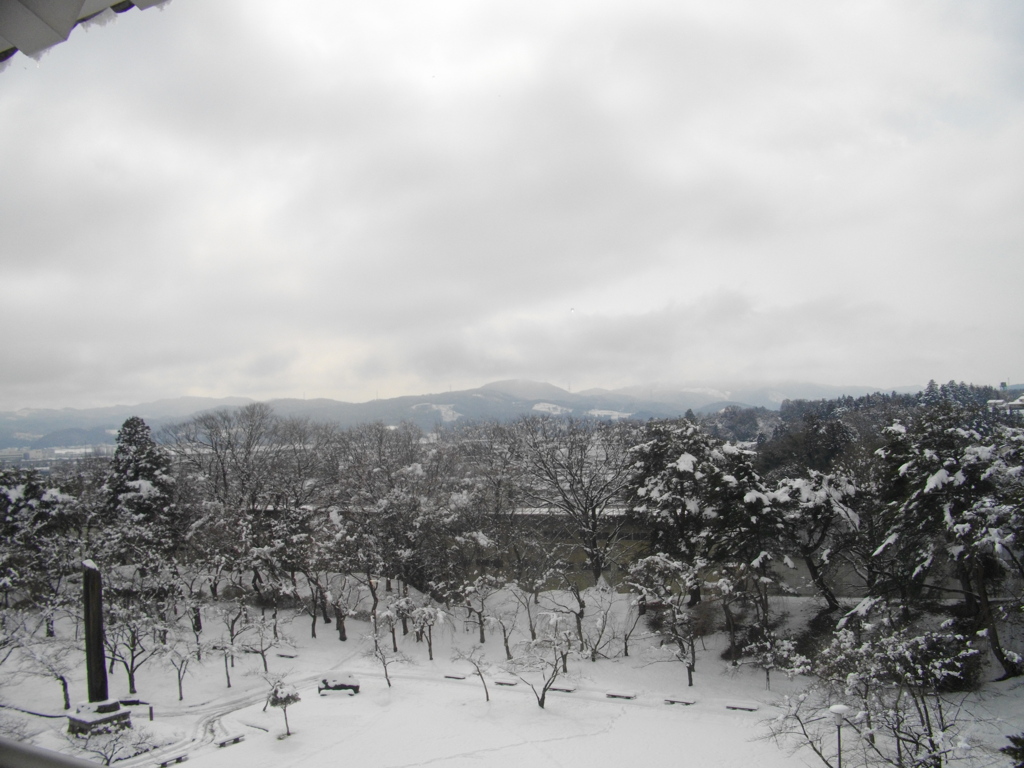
(32, 27)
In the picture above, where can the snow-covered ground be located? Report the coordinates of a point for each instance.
(428, 718)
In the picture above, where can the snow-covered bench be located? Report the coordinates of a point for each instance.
(685, 701)
(619, 695)
(232, 739)
(746, 706)
(337, 681)
(180, 757)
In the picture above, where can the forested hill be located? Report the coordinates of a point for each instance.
(498, 401)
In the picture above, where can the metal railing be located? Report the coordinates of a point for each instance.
(14, 754)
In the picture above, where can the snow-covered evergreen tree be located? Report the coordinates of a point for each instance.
(40, 541)
(819, 521)
(956, 479)
(139, 487)
(707, 505)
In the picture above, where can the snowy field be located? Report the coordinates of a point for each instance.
(423, 721)
(427, 718)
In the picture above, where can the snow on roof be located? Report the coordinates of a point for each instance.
(33, 27)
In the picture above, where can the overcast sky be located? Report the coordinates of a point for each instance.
(351, 200)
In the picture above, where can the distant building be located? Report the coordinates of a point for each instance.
(1003, 405)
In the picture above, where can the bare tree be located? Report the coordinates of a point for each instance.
(569, 601)
(544, 657)
(577, 472)
(261, 636)
(130, 638)
(343, 596)
(235, 621)
(528, 599)
(178, 652)
(424, 618)
(599, 631)
(230, 455)
(890, 688)
(475, 656)
(379, 651)
(476, 595)
(111, 745)
(506, 618)
(52, 658)
(628, 626)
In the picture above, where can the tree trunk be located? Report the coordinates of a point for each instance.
(1010, 667)
(487, 694)
(596, 564)
(323, 606)
(374, 600)
(695, 596)
(730, 623)
(274, 615)
(819, 581)
(970, 599)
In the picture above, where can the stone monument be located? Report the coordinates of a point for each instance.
(100, 713)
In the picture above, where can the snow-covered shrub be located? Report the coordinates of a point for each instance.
(893, 682)
(772, 652)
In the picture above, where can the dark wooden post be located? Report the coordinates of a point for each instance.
(95, 660)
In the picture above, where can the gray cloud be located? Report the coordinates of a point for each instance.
(230, 198)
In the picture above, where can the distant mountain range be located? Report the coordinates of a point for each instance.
(502, 400)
